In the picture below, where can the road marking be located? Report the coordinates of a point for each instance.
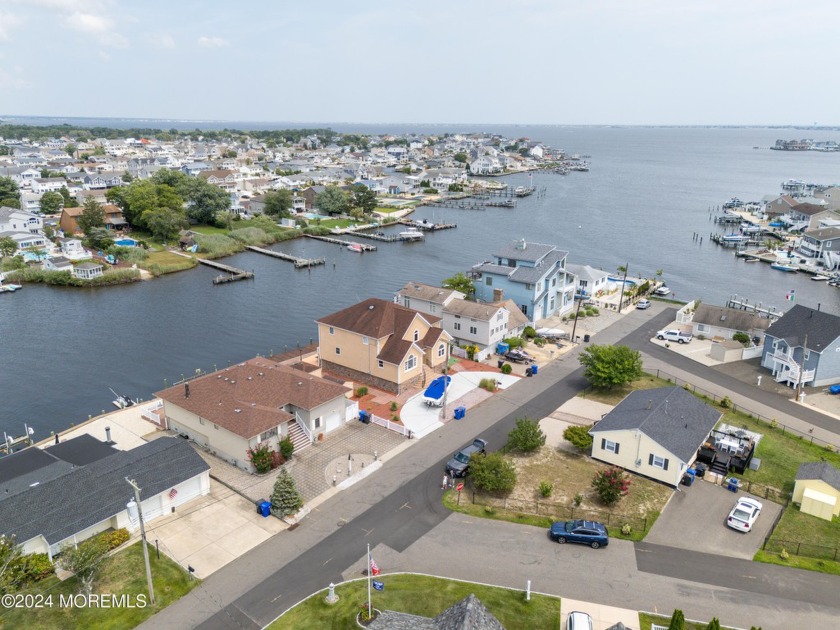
(278, 597)
(328, 560)
(405, 505)
(367, 531)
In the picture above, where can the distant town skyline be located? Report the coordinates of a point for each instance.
(648, 62)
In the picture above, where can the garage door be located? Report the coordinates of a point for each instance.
(152, 508)
(333, 420)
(186, 491)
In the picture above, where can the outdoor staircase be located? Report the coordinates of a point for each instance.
(298, 437)
(720, 464)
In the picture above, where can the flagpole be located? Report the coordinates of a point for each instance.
(369, 572)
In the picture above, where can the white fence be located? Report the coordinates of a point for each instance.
(751, 353)
(391, 426)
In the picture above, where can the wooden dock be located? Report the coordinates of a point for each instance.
(298, 262)
(233, 273)
(343, 243)
(424, 226)
(744, 305)
(376, 236)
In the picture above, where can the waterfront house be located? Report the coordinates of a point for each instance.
(719, 323)
(76, 489)
(589, 282)
(58, 263)
(15, 220)
(531, 274)
(817, 489)
(807, 216)
(831, 197)
(779, 206)
(26, 241)
(655, 433)
(476, 324)
(822, 244)
(72, 248)
(69, 221)
(256, 402)
(114, 219)
(803, 348)
(380, 343)
(88, 270)
(426, 298)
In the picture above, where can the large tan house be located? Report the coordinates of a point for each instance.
(259, 401)
(383, 344)
(655, 433)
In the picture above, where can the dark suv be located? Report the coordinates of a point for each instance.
(460, 462)
(587, 532)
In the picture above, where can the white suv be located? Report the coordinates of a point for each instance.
(674, 335)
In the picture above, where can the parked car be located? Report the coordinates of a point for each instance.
(460, 462)
(643, 304)
(587, 532)
(743, 515)
(578, 621)
(674, 335)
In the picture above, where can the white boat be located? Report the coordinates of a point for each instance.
(663, 290)
(10, 288)
(735, 238)
(355, 247)
(819, 277)
(121, 402)
(784, 267)
(411, 234)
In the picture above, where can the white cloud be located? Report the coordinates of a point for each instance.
(8, 22)
(89, 23)
(212, 42)
(12, 81)
(163, 41)
(104, 56)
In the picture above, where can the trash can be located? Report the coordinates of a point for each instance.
(834, 389)
(732, 484)
(700, 469)
(460, 412)
(259, 505)
(500, 363)
(264, 508)
(687, 479)
(529, 372)
(586, 339)
(534, 369)
(364, 416)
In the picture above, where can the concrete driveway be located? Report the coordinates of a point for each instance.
(695, 519)
(211, 531)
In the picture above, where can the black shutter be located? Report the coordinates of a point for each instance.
(603, 444)
(665, 467)
(616, 448)
(650, 460)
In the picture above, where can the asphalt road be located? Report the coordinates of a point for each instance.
(400, 506)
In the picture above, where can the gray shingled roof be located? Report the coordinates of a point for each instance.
(822, 328)
(731, 318)
(819, 470)
(90, 494)
(532, 252)
(670, 416)
(535, 274)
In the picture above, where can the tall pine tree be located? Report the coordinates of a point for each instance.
(285, 498)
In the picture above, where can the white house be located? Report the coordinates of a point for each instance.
(14, 220)
(589, 282)
(426, 298)
(478, 324)
(58, 263)
(88, 271)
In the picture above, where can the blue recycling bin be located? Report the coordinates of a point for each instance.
(265, 508)
(364, 416)
(534, 369)
(834, 389)
(732, 484)
(460, 412)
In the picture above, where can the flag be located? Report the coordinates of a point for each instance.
(172, 493)
(374, 570)
(791, 296)
(379, 586)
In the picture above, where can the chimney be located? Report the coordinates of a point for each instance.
(521, 244)
(498, 295)
(186, 390)
(108, 435)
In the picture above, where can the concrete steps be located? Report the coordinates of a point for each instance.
(298, 437)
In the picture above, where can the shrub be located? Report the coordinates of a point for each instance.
(361, 391)
(677, 620)
(741, 337)
(714, 624)
(217, 245)
(529, 332)
(784, 555)
(546, 488)
(260, 457)
(578, 436)
(493, 472)
(626, 529)
(286, 448)
(515, 342)
(488, 509)
(611, 484)
(277, 459)
(394, 405)
(251, 236)
(30, 568)
(539, 342)
(578, 499)
(526, 436)
(726, 402)
(506, 368)
(610, 366)
(115, 538)
(471, 350)
(285, 498)
(488, 383)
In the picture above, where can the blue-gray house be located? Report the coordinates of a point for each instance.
(803, 347)
(531, 274)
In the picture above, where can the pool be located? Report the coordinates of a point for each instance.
(626, 282)
(126, 242)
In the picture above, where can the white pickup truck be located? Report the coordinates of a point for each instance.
(674, 335)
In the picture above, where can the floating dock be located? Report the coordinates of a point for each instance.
(234, 274)
(298, 262)
(424, 226)
(338, 241)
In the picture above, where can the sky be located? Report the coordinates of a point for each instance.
(586, 62)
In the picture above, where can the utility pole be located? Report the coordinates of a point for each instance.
(623, 284)
(134, 485)
(574, 326)
(800, 386)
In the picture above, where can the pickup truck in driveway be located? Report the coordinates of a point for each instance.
(460, 462)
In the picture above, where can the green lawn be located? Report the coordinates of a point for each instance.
(812, 543)
(122, 574)
(798, 562)
(424, 596)
(339, 223)
(645, 621)
(617, 394)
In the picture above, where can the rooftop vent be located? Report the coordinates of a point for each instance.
(370, 308)
(238, 410)
(250, 378)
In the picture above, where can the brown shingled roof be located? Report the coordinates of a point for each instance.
(375, 318)
(247, 399)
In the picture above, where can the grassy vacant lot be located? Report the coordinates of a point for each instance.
(617, 394)
(160, 262)
(122, 574)
(424, 596)
(816, 539)
(645, 621)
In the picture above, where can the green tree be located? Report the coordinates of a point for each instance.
(608, 366)
(9, 190)
(526, 436)
(611, 484)
(127, 177)
(98, 238)
(460, 282)
(492, 472)
(677, 620)
(93, 216)
(332, 200)
(363, 198)
(714, 624)
(69, 200)
(71, 149)
(278, 203)
(204, 200)
(164, 223)
(9, 553)
(578, 436)
(8, 246)
(84, 561)
(285, 498)
(51, 202)
(461, 158)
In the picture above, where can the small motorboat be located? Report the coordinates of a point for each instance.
(663, 290)
(750, 259)
(411, 234)
(121, 402)
(355, 247)
(819, 278)
(784, 267)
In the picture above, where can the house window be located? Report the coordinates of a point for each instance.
(268, 434)
(441, 350)
(457, 326)
(416, 335)
(318, 422)
(381, 363)
(473, 330)
(488, 281)
(807, 355)
(701, 327)
(523, 308)
(338, 350)
(200, 420)
(407, 302)
(554, 282)
(411, 363)
(432, 308)
(332, 330)
(364, 340)
(607, 445)
(658, 462)
(529, 286)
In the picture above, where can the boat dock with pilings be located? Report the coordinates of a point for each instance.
(298, 262)
(234, 273)
(338, 241)
(743, 304)
(425, 226)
